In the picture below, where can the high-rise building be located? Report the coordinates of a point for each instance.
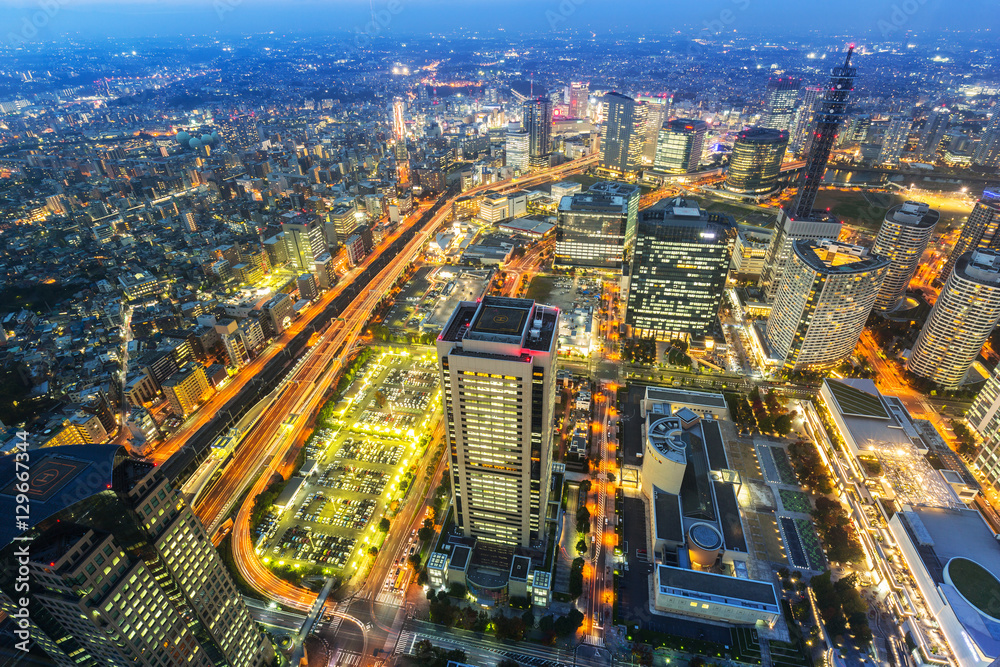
(788, 232)
(755, 164)
(988, 151)
(902, 239)
(826, 295)
(781, 95)
(680, 146)
(121, 572)
(979, 231)
(516, 147)
(631, 193)
(984, 415)
(961, 320)
(617, 149)
(637, 142)
(678, 272)
(933, 132)
(238, 131)
(656, 114)
(497, 360)
(304, 242)
(897, 131)
(579, 99)
(537, 122)
(805, 119)
(829, 118)
(590, 231)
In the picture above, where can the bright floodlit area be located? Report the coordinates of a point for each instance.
(356, 470)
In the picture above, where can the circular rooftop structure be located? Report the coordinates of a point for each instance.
(977, 585)
(665, 436)
(705, 536)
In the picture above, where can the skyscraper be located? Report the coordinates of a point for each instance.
(902, 239)
(826, 295)
(238, 131)
(121, 572)
(497, 360)
(933, 133)
(789, 231)
(304, 242)
(755, 164)
(961, 320)
(655, 116)
(979, 231)
(537, 122)
(828, 120)
(631, 193)
(894, 138)
(678, 271)
(988, 151)
(680, 145)
(781, 95)
(579, 99)
(590, 231)
(984, 415)
(805, 118)
(618, 152)
(516, 145)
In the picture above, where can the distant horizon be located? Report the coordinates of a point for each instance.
(29, 21)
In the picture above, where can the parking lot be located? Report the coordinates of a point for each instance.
(358, 466)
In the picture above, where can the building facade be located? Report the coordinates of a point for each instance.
(755, 164)
(781, 95)
(619, 149)
(961, 320)
(123, 572)
(988, 150)
(826, 295)
(790, 230)
(680, 145)
(902, 238)
(590, 231)
(497, 363)
(979, 231)
(678, 271)
(537, 122)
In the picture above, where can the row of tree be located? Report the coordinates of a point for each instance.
(841, 606)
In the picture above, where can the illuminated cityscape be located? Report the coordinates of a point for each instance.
(533, 334)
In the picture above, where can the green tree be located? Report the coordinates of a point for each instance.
(384, 524)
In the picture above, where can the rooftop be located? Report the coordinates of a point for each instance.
(825, 256)
(718, 585)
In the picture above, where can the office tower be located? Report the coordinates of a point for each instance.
(680, 146)
(238, 131)
(398, 123)
(788, 232)
(979, 231)
(121, 571)
(781, 95)
(961, 320)
(933, 133)
(678, 272)
(755, 164)
(497, 359)
(984, 415)
(516, 148)
(828, 119)
(617, 151)
(902, 239)
(304, 242)
(805, 118)
(579, 99)
(894, 139)
(988, 151)
(655, 117)
(826, 295)
(537, 122)
(632, 193)
(590, 231)
(637, 142)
